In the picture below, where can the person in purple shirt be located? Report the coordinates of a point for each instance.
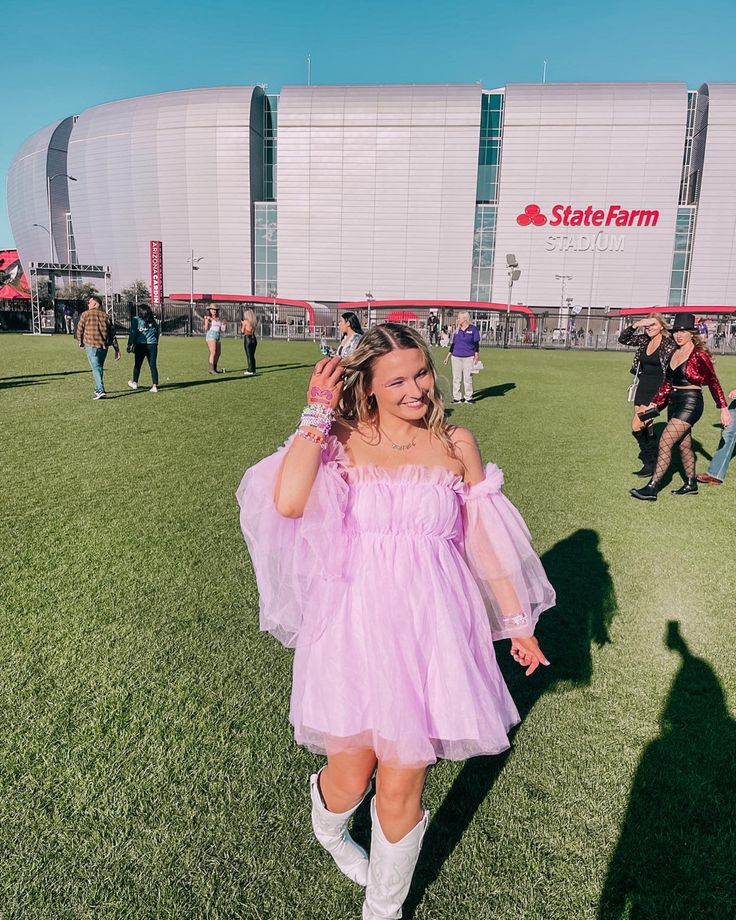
(464, 353)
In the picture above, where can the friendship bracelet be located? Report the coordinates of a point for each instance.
(311, 436)
(317, 416)
(320, 409)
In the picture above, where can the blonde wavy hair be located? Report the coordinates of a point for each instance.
(699, 343)
(357, 405)
(662, 324)
(250, 316)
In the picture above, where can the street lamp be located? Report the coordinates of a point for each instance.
(369, 298)
(514, 273)
(273, 293)
(194, 263)
(564, 279)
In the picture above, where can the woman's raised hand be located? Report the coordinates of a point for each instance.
(326, 384)
(527, 653)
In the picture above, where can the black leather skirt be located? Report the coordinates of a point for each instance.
(685, 405)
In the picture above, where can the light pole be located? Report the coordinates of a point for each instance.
(194, 267)
(514, 273)
(369, 298)
(273, 293)
(564, 279)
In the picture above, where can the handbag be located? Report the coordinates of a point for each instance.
(631, 392)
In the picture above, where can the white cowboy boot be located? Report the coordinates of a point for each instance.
(331, 830)
(391, 869)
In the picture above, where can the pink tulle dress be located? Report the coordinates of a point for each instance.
(391, 589)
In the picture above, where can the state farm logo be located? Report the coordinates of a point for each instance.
(564, 215)
(532, 215)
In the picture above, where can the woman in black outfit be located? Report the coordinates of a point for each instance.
(689, 369)
(654, 348)
(248, 330)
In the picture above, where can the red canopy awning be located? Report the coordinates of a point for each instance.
(401, 316)
(8, 292)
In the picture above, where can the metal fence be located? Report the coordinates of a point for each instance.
(594, 331)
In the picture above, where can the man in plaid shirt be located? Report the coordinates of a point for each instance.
(96, 333)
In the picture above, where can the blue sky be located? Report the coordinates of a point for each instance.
(83, 53)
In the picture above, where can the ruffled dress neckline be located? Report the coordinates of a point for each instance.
(403, 473)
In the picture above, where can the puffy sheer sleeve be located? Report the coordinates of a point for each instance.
(295, 559)
(499, 553)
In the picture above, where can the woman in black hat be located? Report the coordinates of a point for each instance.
(654, 347)
(690, 368)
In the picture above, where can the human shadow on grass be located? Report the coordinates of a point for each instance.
(675, 855)
(229, 376)
(586, 605)
(498, 389)
(29, 380)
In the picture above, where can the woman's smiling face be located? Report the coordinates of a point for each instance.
(401, 382)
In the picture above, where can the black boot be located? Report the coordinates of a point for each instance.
(647, 493)
(689, 488)
(645, 452)
(650, 451)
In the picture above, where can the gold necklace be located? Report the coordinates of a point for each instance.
(399, 446)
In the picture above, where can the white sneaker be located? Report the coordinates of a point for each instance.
(154, 389)
(331, 830)
(132, 384)
(248, 374)
(100, 396)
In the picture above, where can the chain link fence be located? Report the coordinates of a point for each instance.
(592, 331)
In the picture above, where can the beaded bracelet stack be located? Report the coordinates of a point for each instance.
(316, 418)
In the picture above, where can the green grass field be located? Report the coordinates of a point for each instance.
(147, 769)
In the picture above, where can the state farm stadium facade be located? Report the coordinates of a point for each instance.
(609, 195)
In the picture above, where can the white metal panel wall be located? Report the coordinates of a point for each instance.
(173, 167)
(590, 144)
(713, 266)
(44, 154)
(377, 190)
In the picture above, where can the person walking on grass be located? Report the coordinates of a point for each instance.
(143, 340)
(96, 333)
(689, 369)
(433, 328)
(213, 330)
(250, 342)
(722, 457)
(391, 561)
(654, 347)
(464, 352)
(69, 319)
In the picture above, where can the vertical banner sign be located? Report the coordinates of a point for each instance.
(157, 273)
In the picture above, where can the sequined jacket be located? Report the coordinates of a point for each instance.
(640, 340)
(698, 370)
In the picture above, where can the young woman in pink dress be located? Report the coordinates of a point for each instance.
(390, 560)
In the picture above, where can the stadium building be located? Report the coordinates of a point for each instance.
(609, 195)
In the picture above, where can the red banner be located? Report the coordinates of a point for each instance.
(157, 273)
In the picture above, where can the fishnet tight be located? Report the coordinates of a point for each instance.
(676, 431)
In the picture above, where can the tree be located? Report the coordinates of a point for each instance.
(136, 292)
(43, 289)
(77, 292)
